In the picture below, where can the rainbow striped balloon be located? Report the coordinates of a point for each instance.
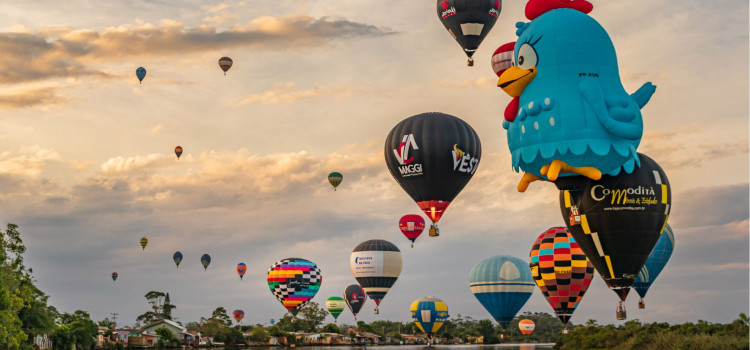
(294, 281)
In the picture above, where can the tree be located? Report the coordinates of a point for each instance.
(487, 330)
(166, 334)
(331, 328)
(259, 334)
(167, 308)
(77, 328)
(311, 316)
(221, 314)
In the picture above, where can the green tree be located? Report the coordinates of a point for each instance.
(76, 327)
(487, 330)
(259, 334)
(167, 307)
(311, 316)
(331, 328)
(221, 314)
(166, 335)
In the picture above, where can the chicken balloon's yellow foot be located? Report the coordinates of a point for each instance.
(527, 179)
(557, 167)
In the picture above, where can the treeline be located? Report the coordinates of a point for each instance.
(659, 336)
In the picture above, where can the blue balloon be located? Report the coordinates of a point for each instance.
(205, 260)
(177, 257)
(140, 73)
(502, 284)
(655, 263)
(571, 106)
(429, 314)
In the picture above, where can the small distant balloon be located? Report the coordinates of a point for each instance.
(238, 315)
(144, 242)
(140, 73)
(335, 305)
(178, 151)
(177, 257)
(273, 321)
(225, 63)
(526, 326)
(335, 179)
(411, 226)
(205, 260)
(241, 268)
(114, 276)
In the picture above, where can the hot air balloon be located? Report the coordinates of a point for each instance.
(335, 305)
(432, 156)
(526, 326)
(225, 63)
(335, 179)
(469, 21)
(502, 284)
(114, 276)
(502, 58)
(429, 314)
(617, 220)
(241, 268)
(411, 226)
(177, 257)
(376, 264)
(355, 297)
(178, 151)
(294, 281)
(238, 315)
(655, 263)
(144, 242)
(205, 260)
(561, 271)
(273, 321)
(140, 73)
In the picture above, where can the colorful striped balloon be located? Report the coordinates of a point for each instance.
(241, 268)
(655, 263)
(335, 305)
(238, 315)
(335, 179)
(502, 284)
(205, 261)
(429, 314)
(561, 270)
(114, 276)
(177, 257)
(294, 281)
(376, 264)
(144, 242)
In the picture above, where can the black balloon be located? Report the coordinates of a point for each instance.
(617, 220)
(469, 21)
(355, 297)
(432, 156)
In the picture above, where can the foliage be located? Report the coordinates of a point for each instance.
(161, 308)
(221, 314)
(259, 334)
(77, 329)
(634, 335)
(486, 329)
(331, 328)
(311, 316)
(166, 335)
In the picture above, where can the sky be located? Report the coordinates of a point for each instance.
(87, 165)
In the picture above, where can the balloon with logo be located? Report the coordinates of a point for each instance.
(177, 257)
(335, 305)
(205, 261)
(335, 179)
(225, 63)
(355, 298)
(432, 156)
(144, 242)
(114, 276)
(654, 264)
(526, 326)
(411, 226)
(469, 21)
(294, 281)
(241, 268)
(502, 58)
(429, 314)
(238, 315)
(502, 284)
(376, 265)
(617, 220)
(140, 73)
(178, 151)
(561, 270)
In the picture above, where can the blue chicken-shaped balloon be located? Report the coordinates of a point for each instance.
(570, 114)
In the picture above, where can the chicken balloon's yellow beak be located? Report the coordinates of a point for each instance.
(515, 79)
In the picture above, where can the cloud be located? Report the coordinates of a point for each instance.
(57, 52)
(29, 161)
(31, 97)
(685, 146)
(482, 83)
(155, 129)
(286, 93)
(707, 206)
(130, 164)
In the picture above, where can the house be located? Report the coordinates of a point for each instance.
(179, 332)
(414, 338)
(277, 341)
(143, 339)
(42, 341)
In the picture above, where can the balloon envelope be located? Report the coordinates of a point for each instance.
(468, 21)
(432, 156)
(355, 298)
(225, 63)
(526, 326)
(617, 220)
(140, 73)
(411, 226)
(502, 284)
(294, 281)
(144, 242)
(178, 151)
(177, 257)
(502, 58)
(205, 261)
(238, 315)
(429, 314)
(241, 268)
(335, 179)
(561, 270)
(655, 263)
(335, 305)
(114, 276)
(376, 265)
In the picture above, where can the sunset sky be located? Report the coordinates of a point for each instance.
(87, 165)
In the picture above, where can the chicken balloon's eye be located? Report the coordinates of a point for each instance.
(527, 57)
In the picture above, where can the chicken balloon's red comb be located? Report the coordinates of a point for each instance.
(535, 8)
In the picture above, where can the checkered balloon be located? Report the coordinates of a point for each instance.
(294, 281)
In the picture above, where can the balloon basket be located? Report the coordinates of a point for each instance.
(377, 311)
(470, 62)
(412, 245)
(621, 313)
(565, 331)
(641, 305)
(434, 231)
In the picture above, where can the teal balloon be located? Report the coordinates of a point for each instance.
(656, 262)
(502, 284)
(140, 73)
